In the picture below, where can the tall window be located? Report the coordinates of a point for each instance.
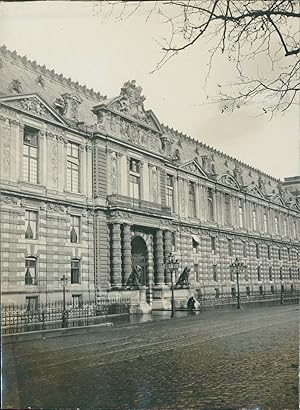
(269, 251)
(31, 218)
(192, 199)
(280, 273)
(270, 273)
(173, 238)
(210, 204)
(75, 271)
(294, 229)
(30, 271)
(241, 214)
(257, 250)
(254, 223)
(73, 167)
(227, 210)
(276, 226)
(284, 227)
(245, 249)
(75, 229)
(279, 254)
(195, 246)
(290, 274)
(32, 302)
(230, 247)
(215, 273)
(265, 222)
(134, 178)
(77, 301)
(258, 274)
(213, 244)
(30, 155)
(170, 191)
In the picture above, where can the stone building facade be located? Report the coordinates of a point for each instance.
(96, 188)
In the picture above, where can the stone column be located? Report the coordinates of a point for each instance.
(126, 248)
(116, 266)
(168, 248)
(159, 254)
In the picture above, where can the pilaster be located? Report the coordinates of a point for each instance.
(159, 253)
(126, 247)
(116, 267)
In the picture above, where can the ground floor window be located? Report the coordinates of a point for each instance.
(31, 302)
(77, 300)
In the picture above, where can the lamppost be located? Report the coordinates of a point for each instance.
(238, 267)
(64, 281)
(281, 292)
(173, 266)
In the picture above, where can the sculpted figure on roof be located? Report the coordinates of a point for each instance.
(132, 102)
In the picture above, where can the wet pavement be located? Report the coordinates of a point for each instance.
(215, 360)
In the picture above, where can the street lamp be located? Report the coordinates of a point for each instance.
(281, 292)
(64, 281)
(173, 266)
(238, 267)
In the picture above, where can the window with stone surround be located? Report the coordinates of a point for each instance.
(284, 227)
(210, 204)
(294, 229)
(213, 245)
(241, 214)
(134, 178)
(77, 301)
(254, 223)
(269, 251)
(30, 155)
(73, 167)
(215, 273)
(257, 250)
(265, 219)
(279, 254)
(290, 274)
(245, 247)
(192, 200)
(258, 273)
(227, 210)
(31, 302)
(75, 270)
(230, 247)
(280, 273)
(276, 225)
(270, 273)
(170, 191)
(31, 270)
(31, 224)
(173, 239)
(75, 229)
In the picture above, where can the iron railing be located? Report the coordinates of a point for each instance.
(22, 318)
(147, 206)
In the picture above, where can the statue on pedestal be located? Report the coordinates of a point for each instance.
(183, 280)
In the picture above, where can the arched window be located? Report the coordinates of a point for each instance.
(31, 270)
(75, 270)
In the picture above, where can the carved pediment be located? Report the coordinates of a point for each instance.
(228, 180)
(293, 205)
(193, 168)
(34, 105)
(277, 199)
(254, 190)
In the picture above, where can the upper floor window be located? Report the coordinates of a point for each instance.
(284, 227)
(30, 271)
(75, 229)
(192, 199)
(170, 191)
(269, 251)
(265, 222)
(195, 245)
(210, 204)
(173, 239)
(227, 210)
(276, 225)
(257, 250)
(31, 218)
(244, 249)
(73, 167)
(30, 155)
(270, 273)
(294, 229)
(75, 271)
(258, 274)
(215, 273)
(241, 214)
(134, 178)
(254, 223)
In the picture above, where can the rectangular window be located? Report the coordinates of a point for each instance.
(258, 274)
(265, 223)
(195, 246)
(272, 289)
(257, 250)
(290, 274)
(75, 229)
(261, 291)
(134, 178)
(294, 229)
(233, 292)
(215, 273)
(77, 300)
(30, 155)
(75, 271)
(276, 225)
(247, 290)
(270, 273)
(217, 290)
(227, 210)
(170, 191)
(254, 224)
(173, 241)
(230, 247)
(241, 214)
(279, 254)
(31, 219)
(245, 249)
(280, 273)
(30, 271)
(192, 199)
(72, 167)
(285, 227)
(269, 251)
(213, 244)
(210, 204)
(31, 303)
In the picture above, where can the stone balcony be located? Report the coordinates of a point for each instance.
(138, 204)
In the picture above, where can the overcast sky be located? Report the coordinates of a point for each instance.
(81, 40)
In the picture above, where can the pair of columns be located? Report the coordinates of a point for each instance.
(121, 264)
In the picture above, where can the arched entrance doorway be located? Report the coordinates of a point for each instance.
(139, 255)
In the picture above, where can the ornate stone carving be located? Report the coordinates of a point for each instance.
(73, 210)
(208, 164)
(71, 106)
(9, 200)
(15, 86)
(33, 105)
(56, 208)
(155, 184)
(261, 184)
(114, 173)
(31, 203)
(5, 148)
(227, 179)
(238, 174)
(131, 101)
(54, 155)
(40, 81)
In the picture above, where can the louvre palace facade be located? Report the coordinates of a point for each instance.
(92, 187)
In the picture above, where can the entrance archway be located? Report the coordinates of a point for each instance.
(139, 255)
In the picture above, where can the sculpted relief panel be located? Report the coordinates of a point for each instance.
(5, 148)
